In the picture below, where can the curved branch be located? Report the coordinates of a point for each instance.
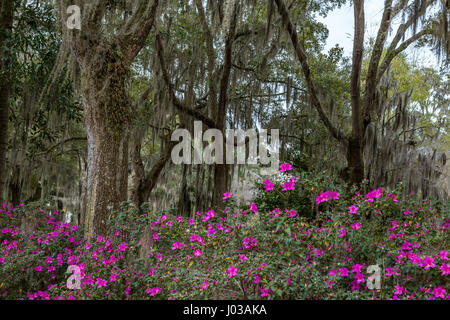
(300, 52)
(176, 102)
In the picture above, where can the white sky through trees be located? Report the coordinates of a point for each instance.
(340, 24)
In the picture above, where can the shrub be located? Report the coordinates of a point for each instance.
(263, 252)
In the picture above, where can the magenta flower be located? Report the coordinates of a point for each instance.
(176, 245)
(243, 257)
(249, 242)
(285, 167)
(352, 209)
(290, 185)
(123, 246)
(205, 284)
(343, 272)
(253, 207)
(428, 262)
(398, 290)
(356, 268)
(374, 194)
(356, 226)
(359, 277)
(439, 292)
(209, 215)
(227, 195)
(153, 291)
(232, 271)
(197, 253)
(327, 195)
(268, 185)
(265, 292)
(342, 232)
(113, 277)
(445, 268)
(101, 283)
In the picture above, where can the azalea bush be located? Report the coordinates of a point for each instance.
(268, 250)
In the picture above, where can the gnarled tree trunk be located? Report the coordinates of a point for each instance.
(106, 105)
(6, 21)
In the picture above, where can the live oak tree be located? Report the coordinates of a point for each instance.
(6, 23)
(105, 47)
(364, 103)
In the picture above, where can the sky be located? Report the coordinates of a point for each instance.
(340, 25)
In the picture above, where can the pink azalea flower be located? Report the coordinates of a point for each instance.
(265, 292)
(290, 185)
(445, 268)
(343, 272)
(253, 207)
(153, 291)
(356, 268)
(123, 246)
(359, 277)
(327, 195)
(113, 277)
(356, 226)
(428, 262)
(197, 253)
(232, 271)
(205, 284)
(101, 283)
(342, 233)
(243, 257)
(439, 292)
(227, 195)
(398, 290)
(285, 167)
(209, 215)
(352, 209)
(268, 185)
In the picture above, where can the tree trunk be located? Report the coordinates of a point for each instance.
(15, 186)
(220, 186)
(4, 115)
(6, 22)
(354, 149)
(123, 175)
(355, 161)
(106, 106)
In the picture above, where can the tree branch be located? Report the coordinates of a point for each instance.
(358, 48)
(137, 28)
(300, 52)
(176, 102)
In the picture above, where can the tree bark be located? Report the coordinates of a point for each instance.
(6, 22)
(123, 172)
(107, 106)
(105, 65)
(354, 150)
